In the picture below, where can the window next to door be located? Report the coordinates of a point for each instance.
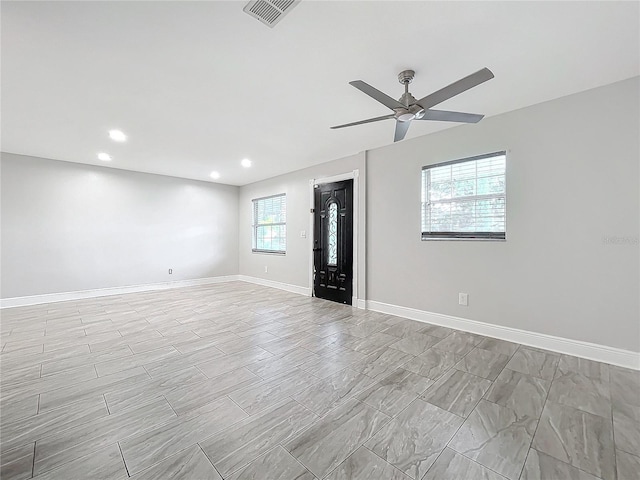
(465, 199)
(270, 224)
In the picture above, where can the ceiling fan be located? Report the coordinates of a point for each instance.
(407, 108)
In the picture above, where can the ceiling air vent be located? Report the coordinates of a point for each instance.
(270, 12)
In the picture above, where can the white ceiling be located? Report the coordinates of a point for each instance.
(197, 86)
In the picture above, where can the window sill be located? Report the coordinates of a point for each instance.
(268, 252)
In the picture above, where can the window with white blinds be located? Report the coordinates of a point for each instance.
(270, 224)
(465, 199)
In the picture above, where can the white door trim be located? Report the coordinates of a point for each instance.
(355, 176)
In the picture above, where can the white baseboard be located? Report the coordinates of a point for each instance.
(362, 304)
(282, 286)
(104, 292)
(592, 351)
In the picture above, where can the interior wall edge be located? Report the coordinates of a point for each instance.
(105, 292)
(577, 348)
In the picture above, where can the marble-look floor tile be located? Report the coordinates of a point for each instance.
(382, 362)
(335, 436)
(17, 464)
(626, 427)
(330, 392)
(483, 363)
(436, 330)
(329, 363)
(91, 388)
(394, 392)
(415, 344)
(244, 342)
(50, 382)
(237, 446)
(540, 466)
(625, 386)
(232, 362)
(19, 407)
(433, 363)
(576, 437)
(453, 466)
(459, 343)
(457, 391)
(163, 354)
(258, 397)
(495, 437)
(371, 344)
(152, 389)
(105, 464)
(534, 362)
(56, 450)
(588, 368)
(276, 464)
(577, 391)
(413, 440)
(365, 329)
(628, 465)
(121, 351)
(160, 342)
(366, 465)
(37, 427)
(280, 364)
(190, 464)
(19, 375)
(185, 398)
(21, 361)
(498, 346)
(404, 328)
(142, 451)
(64, 412)
(522, 393)
(209, 341)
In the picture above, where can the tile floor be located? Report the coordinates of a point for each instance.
(236, 381)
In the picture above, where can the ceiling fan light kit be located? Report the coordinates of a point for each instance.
(408, 108)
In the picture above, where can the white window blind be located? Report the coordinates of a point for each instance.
(465, 199)
(270, 224)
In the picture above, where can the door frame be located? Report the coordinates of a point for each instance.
(355, 176)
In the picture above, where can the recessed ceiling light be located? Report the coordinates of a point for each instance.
(246, 163)
(105, 157)
(214, 175)
(117, 136)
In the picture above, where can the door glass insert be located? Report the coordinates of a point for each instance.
(332, 234)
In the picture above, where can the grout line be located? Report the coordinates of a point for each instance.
(123, 460)
(33, 463)
(106, 404)
(170, 406)
(482, 465)
(544, 404)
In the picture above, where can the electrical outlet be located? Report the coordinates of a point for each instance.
(303, 234)
(463, 299)
(170, 271)
(266, 269)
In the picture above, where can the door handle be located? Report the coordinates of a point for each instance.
(317, 249)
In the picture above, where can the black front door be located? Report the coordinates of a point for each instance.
(333, 241)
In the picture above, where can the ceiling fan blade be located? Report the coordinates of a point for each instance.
(401, 130)
(445, 116)
(376, 94)
(456, 88)
(369, 120)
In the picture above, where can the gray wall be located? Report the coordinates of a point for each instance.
(293, 268)
(69, 227)
(572, 180)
